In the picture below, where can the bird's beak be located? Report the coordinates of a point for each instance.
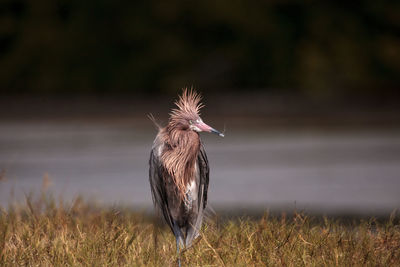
(205, 128)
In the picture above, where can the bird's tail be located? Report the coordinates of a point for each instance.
(194, 230)
(209, 213)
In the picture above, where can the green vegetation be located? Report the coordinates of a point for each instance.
(42, 233)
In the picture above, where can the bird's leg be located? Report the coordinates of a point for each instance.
(177, 234)
(177, 250)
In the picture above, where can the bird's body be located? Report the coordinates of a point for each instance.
(179, 170)
(184, 216)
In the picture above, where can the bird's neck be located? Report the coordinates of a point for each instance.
(181, 148)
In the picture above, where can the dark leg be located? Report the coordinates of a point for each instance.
(177, 251)
(178, 236)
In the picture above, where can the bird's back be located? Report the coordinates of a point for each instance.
(184, 216)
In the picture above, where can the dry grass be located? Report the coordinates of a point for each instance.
(42, 233)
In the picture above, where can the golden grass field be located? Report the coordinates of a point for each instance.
(46, 232)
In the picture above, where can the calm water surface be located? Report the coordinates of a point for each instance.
(351, 171)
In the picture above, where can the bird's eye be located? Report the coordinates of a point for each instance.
(190, 122)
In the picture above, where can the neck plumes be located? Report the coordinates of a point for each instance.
(179, 155)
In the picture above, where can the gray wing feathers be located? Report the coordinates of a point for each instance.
(158, 192)
(204, 174)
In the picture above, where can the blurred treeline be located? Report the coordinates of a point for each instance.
(317, 48)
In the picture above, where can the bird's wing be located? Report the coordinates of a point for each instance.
(204, 176)
(157, 185)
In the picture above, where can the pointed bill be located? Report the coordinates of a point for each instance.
(205, 128)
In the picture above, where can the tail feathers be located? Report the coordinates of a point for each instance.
(186, 240)
(188, 234)
(193, 231)
(209, 213)
(191, 236)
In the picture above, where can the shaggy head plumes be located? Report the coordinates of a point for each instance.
(188, 109)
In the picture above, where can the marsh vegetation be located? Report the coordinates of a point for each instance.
(48, 232)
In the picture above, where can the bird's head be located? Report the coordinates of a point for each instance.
(187, 114)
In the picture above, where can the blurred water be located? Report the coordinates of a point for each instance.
(339, 171)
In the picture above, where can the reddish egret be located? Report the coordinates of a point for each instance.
(179, 171)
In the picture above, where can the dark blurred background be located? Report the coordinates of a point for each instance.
(317, 48)
(307, 91)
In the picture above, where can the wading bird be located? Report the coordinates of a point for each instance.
(179, 171)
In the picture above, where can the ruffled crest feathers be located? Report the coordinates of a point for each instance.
(188, 105)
